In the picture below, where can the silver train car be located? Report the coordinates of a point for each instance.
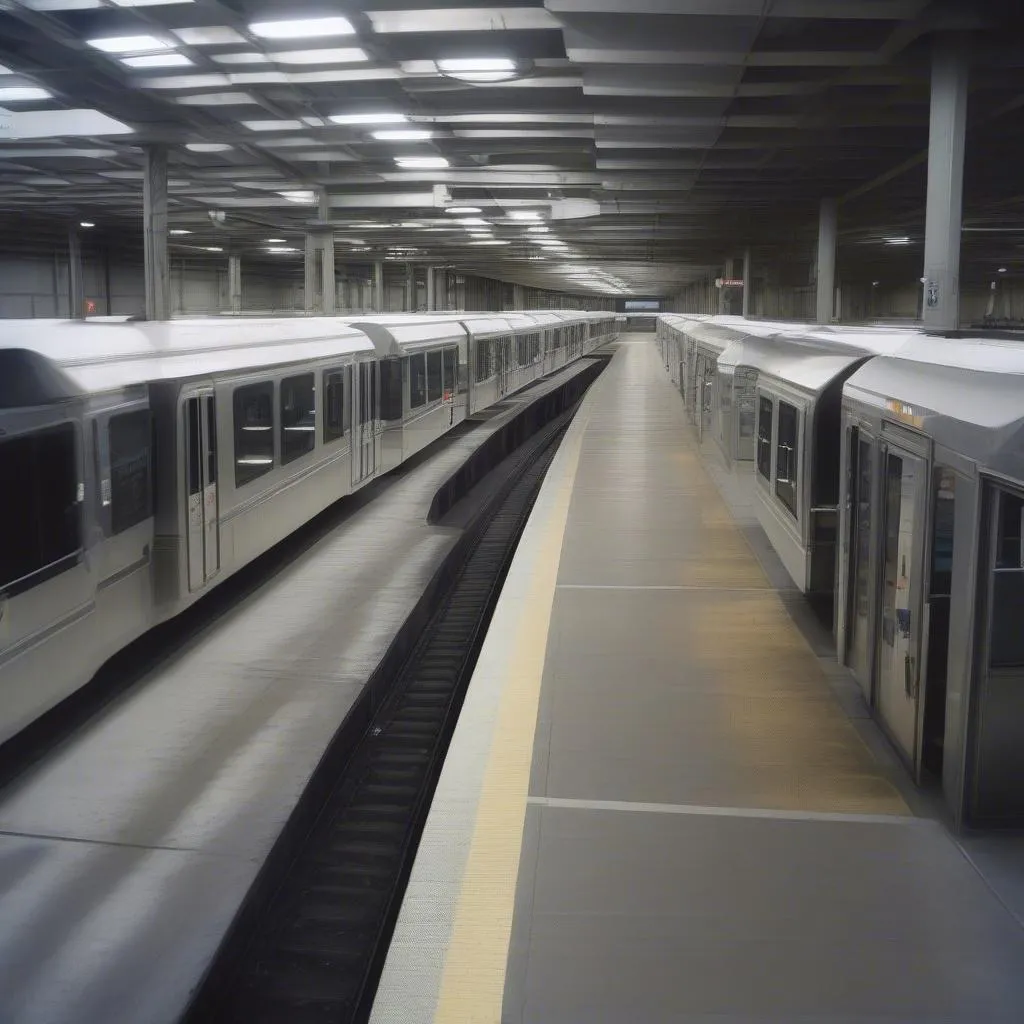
(888, 473)
(144, 463)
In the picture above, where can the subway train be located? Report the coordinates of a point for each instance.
(144, 463)
(887, 469)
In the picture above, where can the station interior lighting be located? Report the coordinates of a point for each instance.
(302, 28)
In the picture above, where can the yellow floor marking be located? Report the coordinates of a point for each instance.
(473, 982)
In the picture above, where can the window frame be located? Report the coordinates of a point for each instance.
(113, 526)
(435, 360)
(268, 387)
(282, 425)
(326, 390)
(793, 459)
(763, 400)
(417, 380)
(69, 559)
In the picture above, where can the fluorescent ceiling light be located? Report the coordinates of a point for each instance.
(402, 135)
(337, 55)
(1001, 270)
(158, 60)
(897, 241)
(463, 209)
(384, 117)
(421, 163)
(299, 196)
(212, 248)
(477, 222)
(490, 241)
(276, 241)
(538, 229)
(148, 3)
(129, 44)
(484, 76)
(411, 224)
(281, 248)
(523, 215)
(272, 126)
(216, 35)
(21, 93)
(302, 28)
(179, 231)
(86, 224)
(460, 64)
(217, 99)
(208, 147)
(242, 57)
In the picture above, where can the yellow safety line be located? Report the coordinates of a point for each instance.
(473, 980)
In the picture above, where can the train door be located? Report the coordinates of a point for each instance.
(199, 422)
(364, 421)
(862, 461)
(903, 506)
(705, 391)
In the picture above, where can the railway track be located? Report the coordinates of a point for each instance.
(314, 951)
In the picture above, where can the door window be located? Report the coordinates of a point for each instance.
(434, 376)
(764, 437)
(334, 404)
(786, 461)
(130, 491)
(1006, 647)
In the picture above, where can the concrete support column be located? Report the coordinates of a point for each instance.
(947, 127)
(321, 294)
(431, 289)
(409, 304)
(154, 221)
(235, 284)
(378, 287)
(828, 227)
(518, 297)
(76, 284)
(748, 281)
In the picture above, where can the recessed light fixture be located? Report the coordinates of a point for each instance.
(478, 69)
(337, 55)
(208, 147)
(276, 241)
(1002, 270)
(463, 209)
(302, 28)
(381, 117)
(421, 163)
(16, 93)
(523, 215)
(86, 224)
(157, 60)
(179, 231)
(130, 44)
(402, 134)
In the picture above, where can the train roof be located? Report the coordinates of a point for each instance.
(400, 335)
(105, 356)
(965, 393)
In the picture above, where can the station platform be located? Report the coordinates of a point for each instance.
(658, 806)
(126, 853)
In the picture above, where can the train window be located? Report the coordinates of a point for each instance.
(298, 417)
(334, 404)
(451, 370)
(1006, 647)
(41, 520)
(391, 389)
(130, 469)
(764, 437)
(483, 360)
(786, 456)
(254, 431)
(942, 531)
(434, 376)
(417, 381)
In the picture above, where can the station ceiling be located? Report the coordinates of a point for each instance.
(643, 140)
